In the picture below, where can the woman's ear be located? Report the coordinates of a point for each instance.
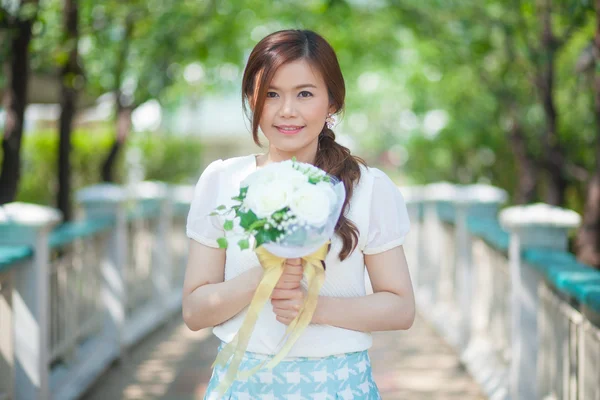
(332, 109)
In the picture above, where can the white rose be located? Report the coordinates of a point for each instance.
(264, 198)
(328, 189)
(281, 171)
(312, 204)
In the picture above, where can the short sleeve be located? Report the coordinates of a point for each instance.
(388, 220)
(201, 226)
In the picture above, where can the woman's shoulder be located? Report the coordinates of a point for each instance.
(229, 165)
(370, 176)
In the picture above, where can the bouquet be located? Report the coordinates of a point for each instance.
(285, 210)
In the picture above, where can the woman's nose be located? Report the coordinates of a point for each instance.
(288, 108)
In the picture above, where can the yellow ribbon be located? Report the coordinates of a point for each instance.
(273, 266)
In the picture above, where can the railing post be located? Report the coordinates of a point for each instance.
(539, 226)
(157, 193)
(30, 225)
(108, 201)
(181, 199)
(413, 196)
(480, 201)
(431, 274)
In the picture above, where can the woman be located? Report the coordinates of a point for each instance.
(292, 86)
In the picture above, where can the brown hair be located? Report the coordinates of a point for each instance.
(291, 45)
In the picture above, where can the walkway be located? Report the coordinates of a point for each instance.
(174, 364)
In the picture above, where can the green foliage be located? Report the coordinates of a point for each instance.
(40, 163)
(168, 158)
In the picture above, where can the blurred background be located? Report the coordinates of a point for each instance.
(468, 106)
(499, 92)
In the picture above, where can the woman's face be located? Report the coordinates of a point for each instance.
(295, 109)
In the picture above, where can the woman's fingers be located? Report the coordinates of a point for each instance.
(288, 285)
(293, 304)
(285, 321)
(287, 304)
(294, 261)
(287, 294)
(281, 312)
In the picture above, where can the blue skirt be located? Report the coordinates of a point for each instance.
(345, 376)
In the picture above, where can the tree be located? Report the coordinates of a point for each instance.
(16, 28)
(588, 236)
(71, 81)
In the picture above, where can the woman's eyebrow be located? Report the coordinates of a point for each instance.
(305, 85)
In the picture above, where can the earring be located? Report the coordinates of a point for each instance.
(330, 121)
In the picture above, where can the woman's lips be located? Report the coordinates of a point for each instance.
(289, 130)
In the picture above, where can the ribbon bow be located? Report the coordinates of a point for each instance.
(233, 352)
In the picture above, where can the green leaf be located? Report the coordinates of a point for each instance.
(262, 237)
(221, 208)
(213, 213)
(222, 243)
(242, 195)
(244, 244)
(247, 219)
(228, 225)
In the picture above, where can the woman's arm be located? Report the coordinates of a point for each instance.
(207, 299)
(390, 307)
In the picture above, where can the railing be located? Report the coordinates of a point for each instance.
(520, 310)
(76, 311)
(502, 289)
(74, 297)
(10, 257)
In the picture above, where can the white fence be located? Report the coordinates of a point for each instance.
(73, 298)
(502, 289)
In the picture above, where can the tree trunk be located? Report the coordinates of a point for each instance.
(123, 107)
(123, 129)
(70, 80)
(587, 244)
(554, 159)
(526, 166)
(15, 101)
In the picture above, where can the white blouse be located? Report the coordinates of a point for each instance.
(378, 210)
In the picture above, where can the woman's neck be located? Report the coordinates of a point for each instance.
(305, 155)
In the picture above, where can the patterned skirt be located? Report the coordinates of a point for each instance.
(345, 376)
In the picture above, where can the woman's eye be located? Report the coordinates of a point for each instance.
(304, 93)
(271, 94)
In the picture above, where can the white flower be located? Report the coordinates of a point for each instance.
(264, 198)
(281, 171)
(328, 189)
(311, 204)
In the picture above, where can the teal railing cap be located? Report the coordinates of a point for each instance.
(570, 277)
(12, 255)
(489, 230)
(482, 194)
(441, 191)
(148, 190)
(101, 193)
(412, 194)
(69, 232)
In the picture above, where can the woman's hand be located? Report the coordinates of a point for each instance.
(287, 303)
(288, 296)
(292, 274)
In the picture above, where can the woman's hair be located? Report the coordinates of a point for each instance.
(287, 46)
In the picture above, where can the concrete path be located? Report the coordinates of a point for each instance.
(174, 364)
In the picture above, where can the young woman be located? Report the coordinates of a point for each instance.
(292, 85)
